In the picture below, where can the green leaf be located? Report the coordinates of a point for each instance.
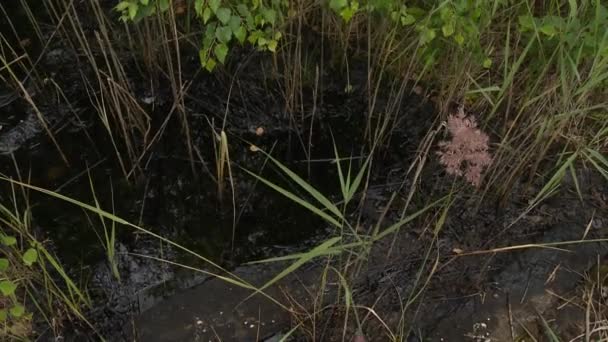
(210, 64)
(448, 29)
(3, 315)
(221, 51)
(548, 29)
(234, 23)
(198, 7)
(243, 10)
(394, 15)
(526, 22)
(214, 5)
(3, 264)
(270, 15)
(407, 20)
(240, 34)
(164, 5)
(446, 13)
(132, 10)
(459, 38)
(17, 311)
(122, 6)
(254, 36)
(30, 257)
(272, 45)
(206, 15)
(144, 12)
(337, 5)
(573, 8)
(427, 35)
(144, 2)
(347, 13)
(7, 287)
(487, 63)
(224, 14)
(223, 34)
(8, 240)
(476, 13)
(202, 56)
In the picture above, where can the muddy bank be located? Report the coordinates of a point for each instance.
(168, 199)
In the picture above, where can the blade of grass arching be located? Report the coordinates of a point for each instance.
(598, 167)
(108, 238)
(330, 251)
(112, 241)
(68, 281)
(348, 303)
(307, 187)
(575, 181)
(395, 227)
(484, 91)
(289, 333)
(120, 221)
(357, 181)
(296, 199)
(438, 226)
(306, 257)
(555, 181)
(343, 183)
(415, 292)
(364, 242)
(597, 156)
(444, 214)
(508, 79)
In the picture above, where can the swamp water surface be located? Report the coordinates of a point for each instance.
(155, 301)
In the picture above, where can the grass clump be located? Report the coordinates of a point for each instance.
(34, 287)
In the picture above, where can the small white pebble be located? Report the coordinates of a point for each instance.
(252, 326)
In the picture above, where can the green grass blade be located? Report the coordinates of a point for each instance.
(357, 181)
(120, 221)
(395, 227)
(297, 199)
(549, 333)
(308, 188)
(575, 180)
(343, 183)
(555, 180)
(306, 257)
